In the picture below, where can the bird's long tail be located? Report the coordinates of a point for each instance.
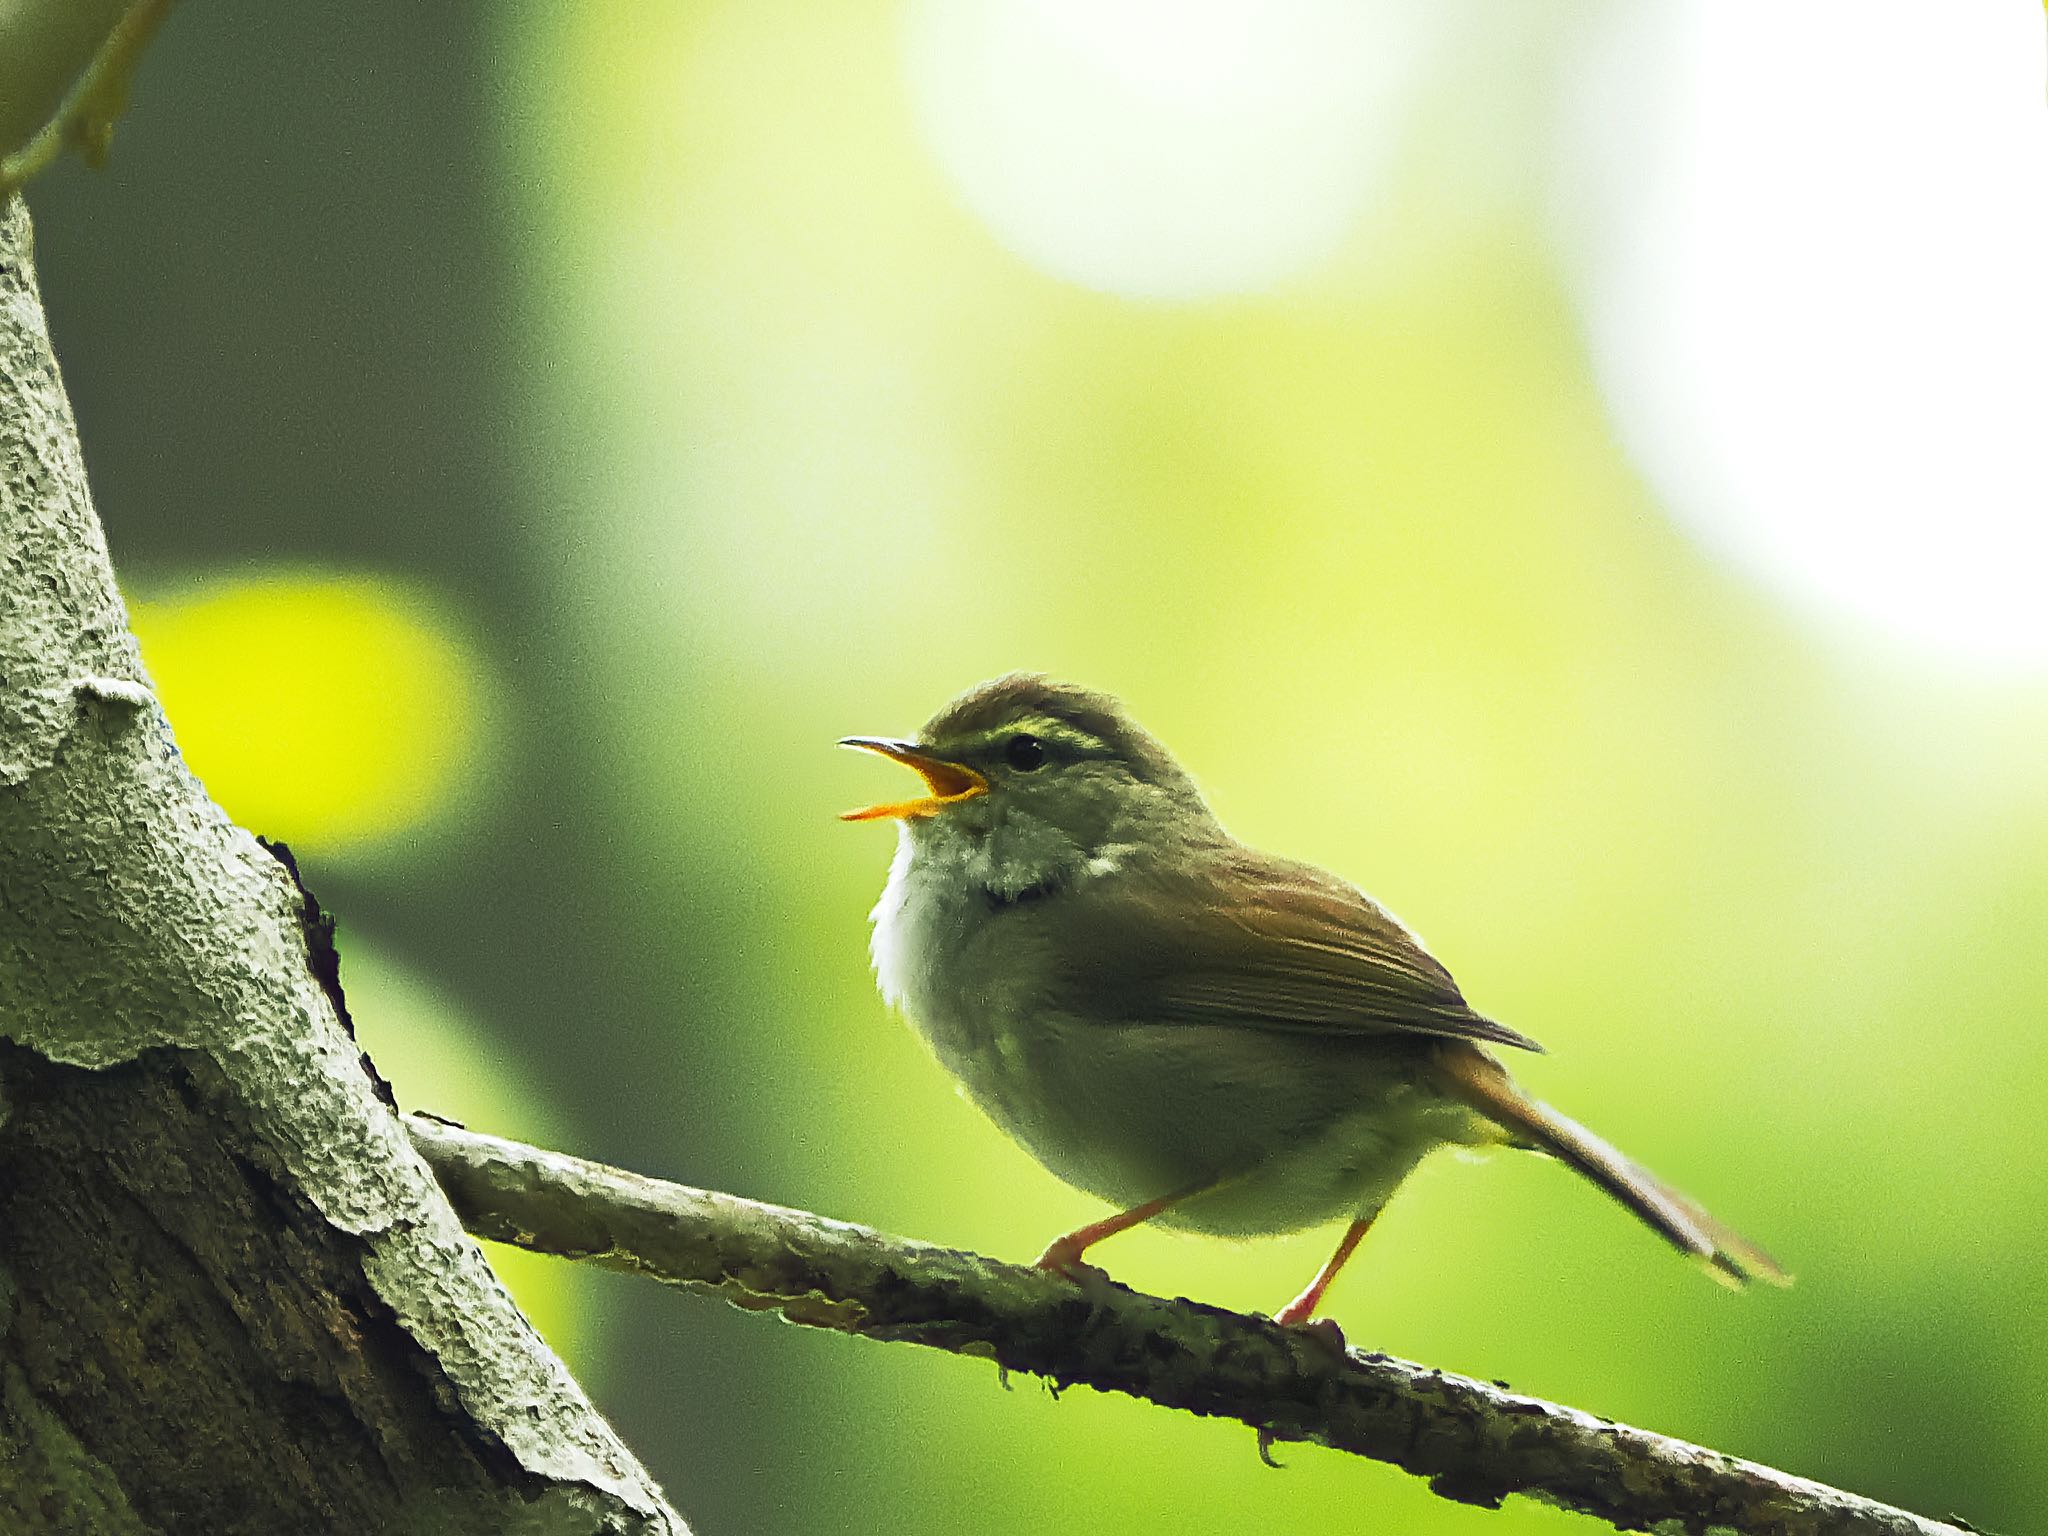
(1476, 1079)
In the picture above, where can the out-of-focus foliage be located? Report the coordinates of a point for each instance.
(797, 422)
(1363, 548)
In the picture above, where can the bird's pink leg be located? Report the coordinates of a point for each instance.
(1302, 1308)
(1063, 1254)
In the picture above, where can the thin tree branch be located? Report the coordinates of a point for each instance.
(65, 67)
(1475, 1443)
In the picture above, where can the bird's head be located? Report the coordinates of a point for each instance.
(1029, 780)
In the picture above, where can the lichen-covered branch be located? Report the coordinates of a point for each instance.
(1474, 1442)
(232, 1298)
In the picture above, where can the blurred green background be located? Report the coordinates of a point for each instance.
(1581, 487)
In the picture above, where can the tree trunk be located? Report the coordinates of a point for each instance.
(232, 1298)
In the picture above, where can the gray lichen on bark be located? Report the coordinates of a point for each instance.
(231, 1295)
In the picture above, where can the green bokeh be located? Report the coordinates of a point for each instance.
(1365, 552)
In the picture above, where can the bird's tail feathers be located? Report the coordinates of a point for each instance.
(1482, 1083)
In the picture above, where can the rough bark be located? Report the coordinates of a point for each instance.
(1475, 1442)
(232, 1298)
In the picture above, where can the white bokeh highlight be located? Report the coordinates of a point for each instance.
(1161, 150)
(1810, 242)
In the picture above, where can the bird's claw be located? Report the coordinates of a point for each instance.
(1323, 1330)
(1073, 1267)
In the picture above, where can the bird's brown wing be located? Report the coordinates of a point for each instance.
(1244, 938)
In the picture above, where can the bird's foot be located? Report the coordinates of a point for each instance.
(1062, 1257)
(1323, 1329)
(1297, 1311)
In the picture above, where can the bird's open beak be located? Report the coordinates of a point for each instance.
(950, 783)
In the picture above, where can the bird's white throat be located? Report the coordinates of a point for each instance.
(891, 943)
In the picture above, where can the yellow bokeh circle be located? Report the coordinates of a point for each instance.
(335, 711)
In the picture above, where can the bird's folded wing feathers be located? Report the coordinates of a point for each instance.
(1264, 943)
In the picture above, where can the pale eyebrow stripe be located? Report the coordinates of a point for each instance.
(1043, 726)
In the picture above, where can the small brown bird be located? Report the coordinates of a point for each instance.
(1199, 1033)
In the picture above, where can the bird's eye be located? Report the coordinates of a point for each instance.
(1024, 753)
